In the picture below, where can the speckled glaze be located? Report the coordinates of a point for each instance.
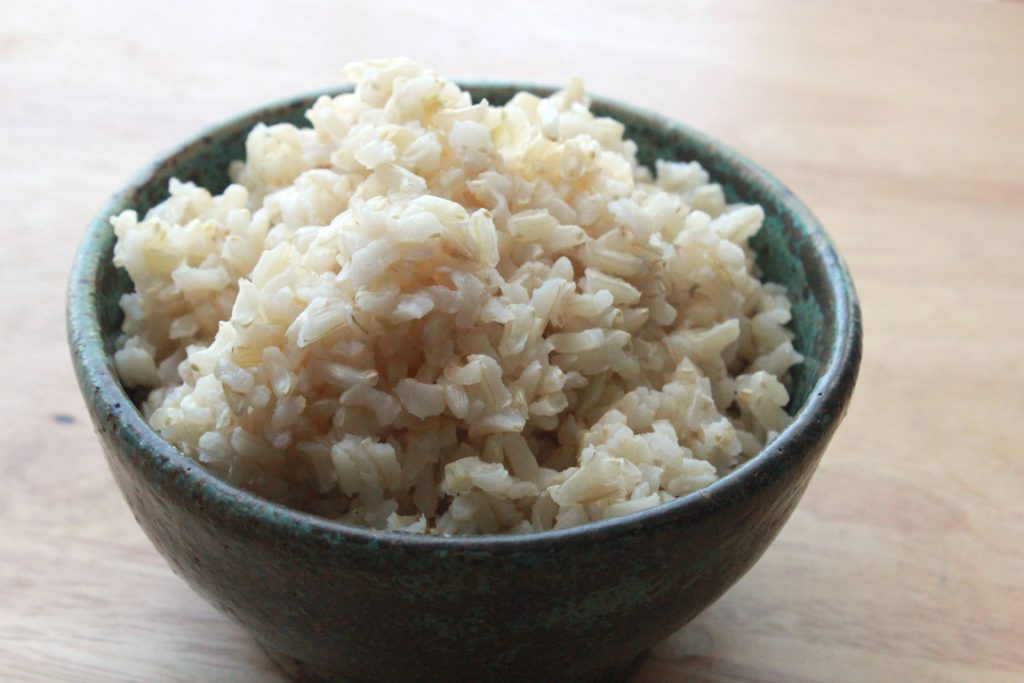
(331, 602)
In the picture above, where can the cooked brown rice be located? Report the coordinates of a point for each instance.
(429, 315)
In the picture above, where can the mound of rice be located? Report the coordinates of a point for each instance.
(426, 315)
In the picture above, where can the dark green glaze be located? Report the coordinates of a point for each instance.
(337, 603)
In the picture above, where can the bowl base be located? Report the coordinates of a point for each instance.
(304, 672)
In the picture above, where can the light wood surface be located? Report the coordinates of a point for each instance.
(902, 126)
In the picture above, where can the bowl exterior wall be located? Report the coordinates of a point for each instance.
(331, 611)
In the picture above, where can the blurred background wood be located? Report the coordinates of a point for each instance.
(901, 125)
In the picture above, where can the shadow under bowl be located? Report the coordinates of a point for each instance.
(331, 602)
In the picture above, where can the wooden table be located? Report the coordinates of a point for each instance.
(901, 124)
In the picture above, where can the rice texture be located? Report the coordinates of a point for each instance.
(434, 316)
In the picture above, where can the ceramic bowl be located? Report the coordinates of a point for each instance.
(331, 602)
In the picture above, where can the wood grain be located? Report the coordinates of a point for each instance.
(901, 124)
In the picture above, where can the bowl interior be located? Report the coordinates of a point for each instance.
(789, 246)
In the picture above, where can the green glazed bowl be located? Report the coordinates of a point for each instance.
(331, 602)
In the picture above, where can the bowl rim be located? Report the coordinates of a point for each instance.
(107, 400)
